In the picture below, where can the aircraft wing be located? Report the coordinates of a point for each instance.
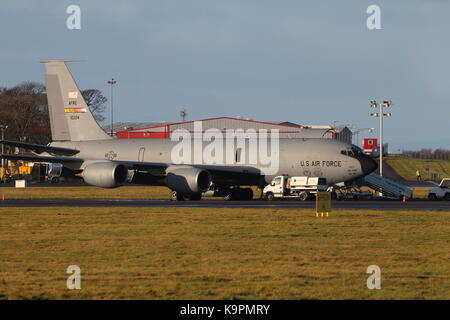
(229, 175)
(39, 148)
(34, 158)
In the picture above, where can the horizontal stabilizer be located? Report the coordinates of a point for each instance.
(39, 148)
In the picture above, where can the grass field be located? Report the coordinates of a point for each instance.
(199, 253)
(406, 167)
(87, 192)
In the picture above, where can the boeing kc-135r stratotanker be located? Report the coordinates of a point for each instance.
(80, 145)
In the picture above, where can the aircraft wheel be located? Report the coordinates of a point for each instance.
(236, 194)
(175, 196)
(248, 193)
(54, 180)
(432, 197)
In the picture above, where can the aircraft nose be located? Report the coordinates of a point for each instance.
(368, 165)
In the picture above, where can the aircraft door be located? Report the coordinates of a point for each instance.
(141, 154)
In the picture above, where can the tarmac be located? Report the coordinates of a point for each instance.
(379, 205)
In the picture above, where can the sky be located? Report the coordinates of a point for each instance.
(309, 62)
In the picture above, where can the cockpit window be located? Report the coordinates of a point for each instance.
(347, 152)
(356, 150)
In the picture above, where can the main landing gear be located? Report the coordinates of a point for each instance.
(176, 196)
(237, 194)
(233, 194)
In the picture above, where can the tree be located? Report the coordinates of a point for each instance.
(24, 109)
(95, 100)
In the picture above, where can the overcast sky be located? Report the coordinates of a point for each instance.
(310, 62)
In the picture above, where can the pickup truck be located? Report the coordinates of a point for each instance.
(440, 192)
(300, 188)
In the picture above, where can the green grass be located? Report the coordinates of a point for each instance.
(85, 192)
(406, 167)
(201, 253)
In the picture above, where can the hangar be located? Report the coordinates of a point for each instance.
(163, 130)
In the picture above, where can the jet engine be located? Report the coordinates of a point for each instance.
(188, 180)
(105, 174)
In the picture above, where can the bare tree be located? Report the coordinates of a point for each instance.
(24, 109)
(95, 100)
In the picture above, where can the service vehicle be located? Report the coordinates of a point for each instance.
(300, 188)
(440, 192)
(54, 173)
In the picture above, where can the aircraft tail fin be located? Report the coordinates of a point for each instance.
(70, 117)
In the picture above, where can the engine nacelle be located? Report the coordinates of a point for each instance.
(105, 174)
(188, 180)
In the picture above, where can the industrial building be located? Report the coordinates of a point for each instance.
(142, 130)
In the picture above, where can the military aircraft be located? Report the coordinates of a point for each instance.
(83, 147)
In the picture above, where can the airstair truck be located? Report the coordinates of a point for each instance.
(301, 188)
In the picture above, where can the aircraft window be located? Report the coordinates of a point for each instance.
(347, 152)
(357, 151)
(277, 181)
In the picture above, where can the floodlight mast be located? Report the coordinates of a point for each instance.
(112, 82)
(381, 115)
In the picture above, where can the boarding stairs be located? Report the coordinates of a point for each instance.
(387, 186)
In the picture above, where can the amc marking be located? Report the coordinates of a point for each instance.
(111, 155)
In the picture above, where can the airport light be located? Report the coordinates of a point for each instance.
(381, 115)
(112, 82)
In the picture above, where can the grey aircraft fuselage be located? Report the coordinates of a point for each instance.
(330, 159)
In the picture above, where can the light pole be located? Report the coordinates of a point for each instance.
(381, 115)
(183, 114)
(112, 82)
